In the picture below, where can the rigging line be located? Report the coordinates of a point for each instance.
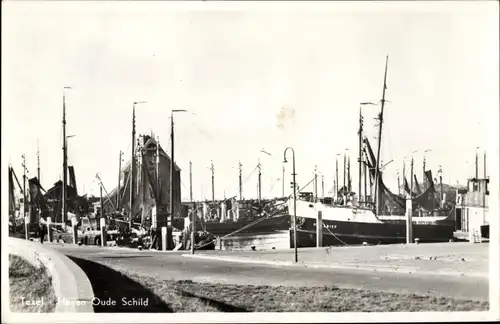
(333, 234)
(242, 228)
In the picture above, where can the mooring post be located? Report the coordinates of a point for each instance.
(49, 229)
(103, 231)
(409, 221)
(319, 229)
(164, 238)
(74, 229)
(27, 227)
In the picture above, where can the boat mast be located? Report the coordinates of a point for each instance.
(484, 161)
(315, 183)
(241, 185)
(344, 187)
(132, 166)
(336, 176)
(323, 186)
(65, 162)
(119, 180)
(38, 159)
(365, 173)
(399, 185)
(360, 133)
(213, 179)
(24, 184)
(158, 182)
(349, 186)
(381, 119)
(190, 182)
(259, 166)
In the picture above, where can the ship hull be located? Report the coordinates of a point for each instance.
(273, 224)
(349, 225)
(354, 233)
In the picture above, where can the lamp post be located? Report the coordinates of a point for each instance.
(294, 202)
(172, 168)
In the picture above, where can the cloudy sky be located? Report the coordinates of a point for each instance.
(252, 76)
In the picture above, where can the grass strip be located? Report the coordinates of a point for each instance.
(30, 287)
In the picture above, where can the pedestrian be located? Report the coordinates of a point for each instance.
(41, 232)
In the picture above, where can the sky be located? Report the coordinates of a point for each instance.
(252, 76)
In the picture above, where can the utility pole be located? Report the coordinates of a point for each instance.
(190, 182)
(381, 119)
(241, 184)
(259, 183)
(213, 180)
(118, 195)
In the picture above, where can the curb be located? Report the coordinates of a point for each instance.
(71, 285)
(374, 268)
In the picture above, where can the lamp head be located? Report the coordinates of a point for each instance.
(285, 161)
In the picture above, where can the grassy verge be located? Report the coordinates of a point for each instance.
(166, 296)
(188, 296)
(30, 288)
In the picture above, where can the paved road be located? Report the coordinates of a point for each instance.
(173, 265)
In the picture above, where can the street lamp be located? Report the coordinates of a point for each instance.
(172, 169)
(294, 202)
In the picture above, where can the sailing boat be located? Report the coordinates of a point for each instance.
(383, 222)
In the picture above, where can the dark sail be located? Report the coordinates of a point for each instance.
(417, 186)
(390, 203)
(12, 199)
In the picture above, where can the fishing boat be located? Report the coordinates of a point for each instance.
(380, 222)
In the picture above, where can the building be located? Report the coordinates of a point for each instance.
(472, 208)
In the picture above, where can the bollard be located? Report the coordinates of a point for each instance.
(319, 229)
(103, 231)
(164, 238)
(74, 229)
(27, 227)
(49, 229)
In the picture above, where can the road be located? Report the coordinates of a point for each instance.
(173, 266)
